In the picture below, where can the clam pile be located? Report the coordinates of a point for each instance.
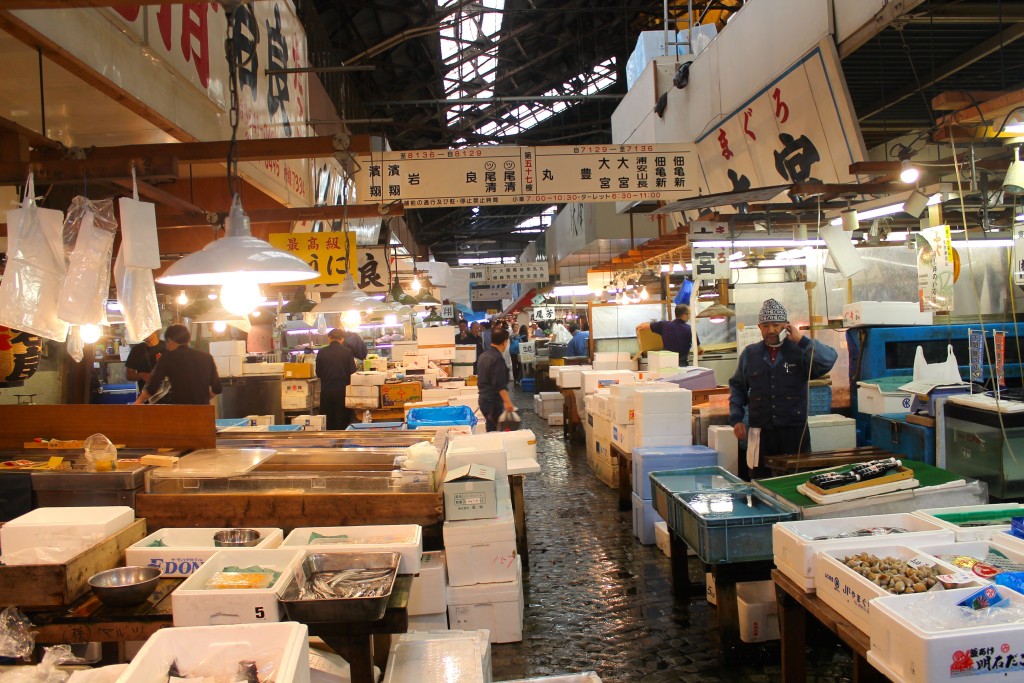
(894, 575)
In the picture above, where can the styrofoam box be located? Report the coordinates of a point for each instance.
(873, 401)
(831, 432)
(362, 401)
(227, 348)
(438, 352)
(368, 378)
(497, 607)
(551, 396)
(72, 529)
(363, 391)
(195, 605)
(972, 533)
(1005, 538)
(647, 460)
(286, 644)
(520, 444)
(663, 538)
(556, 420)
(622, 436)
(595, 379)
(478, 449)
(481, 550)
(907, 652)
(644, 519)
(481, 636)
(885, 313)
(585, 677)
(429, 622)
(794, 550)
(400, 348)
(601, 401)
(311, 423)
(661, 425)
(571, 376)
(404, 539)
(619, 357)
(758, 611)
(470, 401)
(620, 409)
(538, 406)
(260, 420)
(849, 593)
(439, 394)
(428, 594)
(184, 550)
(678, 402)
(977, 549)
(444, 336)
(437, 657)
(722, 440)
(645, 441)
(656, 360)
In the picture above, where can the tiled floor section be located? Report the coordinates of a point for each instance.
(598, 600)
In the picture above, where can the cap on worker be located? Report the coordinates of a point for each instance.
(772, 312)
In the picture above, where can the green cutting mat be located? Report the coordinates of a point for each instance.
(785, 486)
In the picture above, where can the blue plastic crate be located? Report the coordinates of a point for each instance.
(528, 385)
(441, 416)
(819, 401)
(647, 460)
(730, 526)
(664, 485)
(111, 394)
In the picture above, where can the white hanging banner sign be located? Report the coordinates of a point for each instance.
(491, 293)
(530, 175)
(518, 272)
(935, 269)
(544, 313)
(710, 264)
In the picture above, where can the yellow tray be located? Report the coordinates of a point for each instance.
(899, 475)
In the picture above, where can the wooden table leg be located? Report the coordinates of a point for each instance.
(793, 632)
(680, 566)
(728, 612)
(358, 652)
(519, 514)
(863, 672)
(625, 482)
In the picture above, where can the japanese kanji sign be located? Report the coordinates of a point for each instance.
(529, 175)
(518, 272)
(800, 128)
(544, 313)
(935, 269)
(710, 264)
(491, 294)
(325, 253)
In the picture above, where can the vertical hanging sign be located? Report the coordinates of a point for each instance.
(976, 343)
(999, 342)
(935, 269)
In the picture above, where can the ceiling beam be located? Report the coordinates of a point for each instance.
(882, 19)
(85, 4)
(282, 215)
(217, 151)
(971, 13)
(148, 168)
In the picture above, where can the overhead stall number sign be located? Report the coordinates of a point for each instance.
(476, 176)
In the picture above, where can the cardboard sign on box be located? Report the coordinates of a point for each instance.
(398, 394)
(470, 492)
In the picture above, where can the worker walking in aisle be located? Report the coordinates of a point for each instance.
(335, 365)
(676, 335)
(492, 380)
(143, 357)
(183, 375)
(772, 381)
(579, 345)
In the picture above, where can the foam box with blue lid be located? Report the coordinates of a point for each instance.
(693, 378)
(647, 460)
(441, 416)
(644, 519)
(110, 394)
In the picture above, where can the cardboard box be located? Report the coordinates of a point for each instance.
(397, 394)
(368, 378)
(363, 391)
(260, 420)
(429, 622)
(311, 423)
(481, 550)
(429, 592)
(362, 402)
(298, 370)
(602, 428)
(470, 493)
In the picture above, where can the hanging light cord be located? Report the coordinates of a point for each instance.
(234, 181)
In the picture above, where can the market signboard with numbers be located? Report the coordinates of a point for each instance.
(530, 175)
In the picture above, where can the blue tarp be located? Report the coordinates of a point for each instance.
(441, 416)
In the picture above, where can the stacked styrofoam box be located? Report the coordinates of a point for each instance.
(437, 343)
(661, 419)
(570, 376)
(218, 650)
(614, 360)
(260, 420)
(658, 360)
(520, 444)
(647, 460)
(440, 657)
(596, 379)
(311, 423)
(404, 539)
(400, 348)
(229, 357)
(548, 402)
(362, 396)
(722, 439)
(439, 394)
(368, 378)
(465, 353)
(298, 394)
(179, 552)
(831, 432)
(60, 532)
(193, 604)
(484, 573)
(605, 466)
(663, 538)
(479, 449)
(468, 396)
(428, 596)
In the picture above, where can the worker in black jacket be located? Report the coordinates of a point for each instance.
(334, 366)
(492, 379)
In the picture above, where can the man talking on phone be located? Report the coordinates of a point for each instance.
(771, 380)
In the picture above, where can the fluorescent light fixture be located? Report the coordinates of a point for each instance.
(758, 243)
(1017, 126)
(880, 211)
(221, 261)
(983, 243)
(571, 290)
(909, 173)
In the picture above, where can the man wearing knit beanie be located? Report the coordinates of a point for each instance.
(771, 381)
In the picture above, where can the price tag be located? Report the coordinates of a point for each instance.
(54, 462)
(918, 562)
(957, 577)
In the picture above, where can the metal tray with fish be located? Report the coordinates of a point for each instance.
(341, 587)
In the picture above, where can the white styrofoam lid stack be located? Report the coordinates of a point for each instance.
(482, 637)
(447, 660)
(56, 534)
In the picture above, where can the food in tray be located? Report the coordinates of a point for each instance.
(248, 672)
(242, 577)
(994, 562)
(857, 533)
(348, 583)
(895, 575)
(862, 472)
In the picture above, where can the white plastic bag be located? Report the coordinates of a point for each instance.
(100, 454)
(133, 274)
(46, 671)
(90, 227)
(30, 289)
(509, 421)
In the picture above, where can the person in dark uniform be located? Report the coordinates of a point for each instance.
(492, 380)
(143, 357)
(676, 335)
(354, 343)
(191, 373)
(335, 364)
(771, 379)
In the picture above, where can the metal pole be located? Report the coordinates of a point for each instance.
(319, 69)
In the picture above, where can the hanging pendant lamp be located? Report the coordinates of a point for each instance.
(347, 298)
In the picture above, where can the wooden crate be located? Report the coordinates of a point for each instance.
(53, 585)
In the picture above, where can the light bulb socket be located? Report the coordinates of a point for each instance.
(909, 173)
(850, 220)
(916, 203)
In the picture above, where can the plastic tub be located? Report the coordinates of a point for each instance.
(665, 484)
(441, 416)
(730, 526)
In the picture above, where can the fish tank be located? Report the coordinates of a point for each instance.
(988, 446)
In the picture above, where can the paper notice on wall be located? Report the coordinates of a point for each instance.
(935, 269)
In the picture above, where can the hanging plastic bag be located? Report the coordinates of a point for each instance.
(16, 635)
(31, 286)
(89, 231)
(133, 268)
(74, 344)
(509, 421)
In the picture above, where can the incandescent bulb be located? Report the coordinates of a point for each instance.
(90, 334)
(909, 173)
(212, 296)
(717, 320)
(182, 298)
(644, 294)
(255, 314)
(351, 319)
(391, 319)
(220, 326)
(240, 296)
(415, 285)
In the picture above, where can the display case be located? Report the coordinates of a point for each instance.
(986, 445)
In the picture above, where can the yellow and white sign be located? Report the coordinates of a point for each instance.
(529, 175)
(324, 252)
(935, 269)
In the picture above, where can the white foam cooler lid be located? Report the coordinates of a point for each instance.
(473, 531)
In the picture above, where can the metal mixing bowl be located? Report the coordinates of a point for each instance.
(237, 538)
(125, 586)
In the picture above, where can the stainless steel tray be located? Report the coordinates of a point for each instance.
(313, 611)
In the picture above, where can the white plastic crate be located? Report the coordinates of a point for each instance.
(195, 605)
(794, 548)
(184, 550)
(873, 401)
(758, 611)
(971, 533)
(909, 653)
(429, 591)
(284, 646)
(481, 550)
(849, 593)
(404, 539)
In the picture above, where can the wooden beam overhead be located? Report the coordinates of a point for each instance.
(216, 151)
(148, 168)
(282, 215)
(86, 4)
